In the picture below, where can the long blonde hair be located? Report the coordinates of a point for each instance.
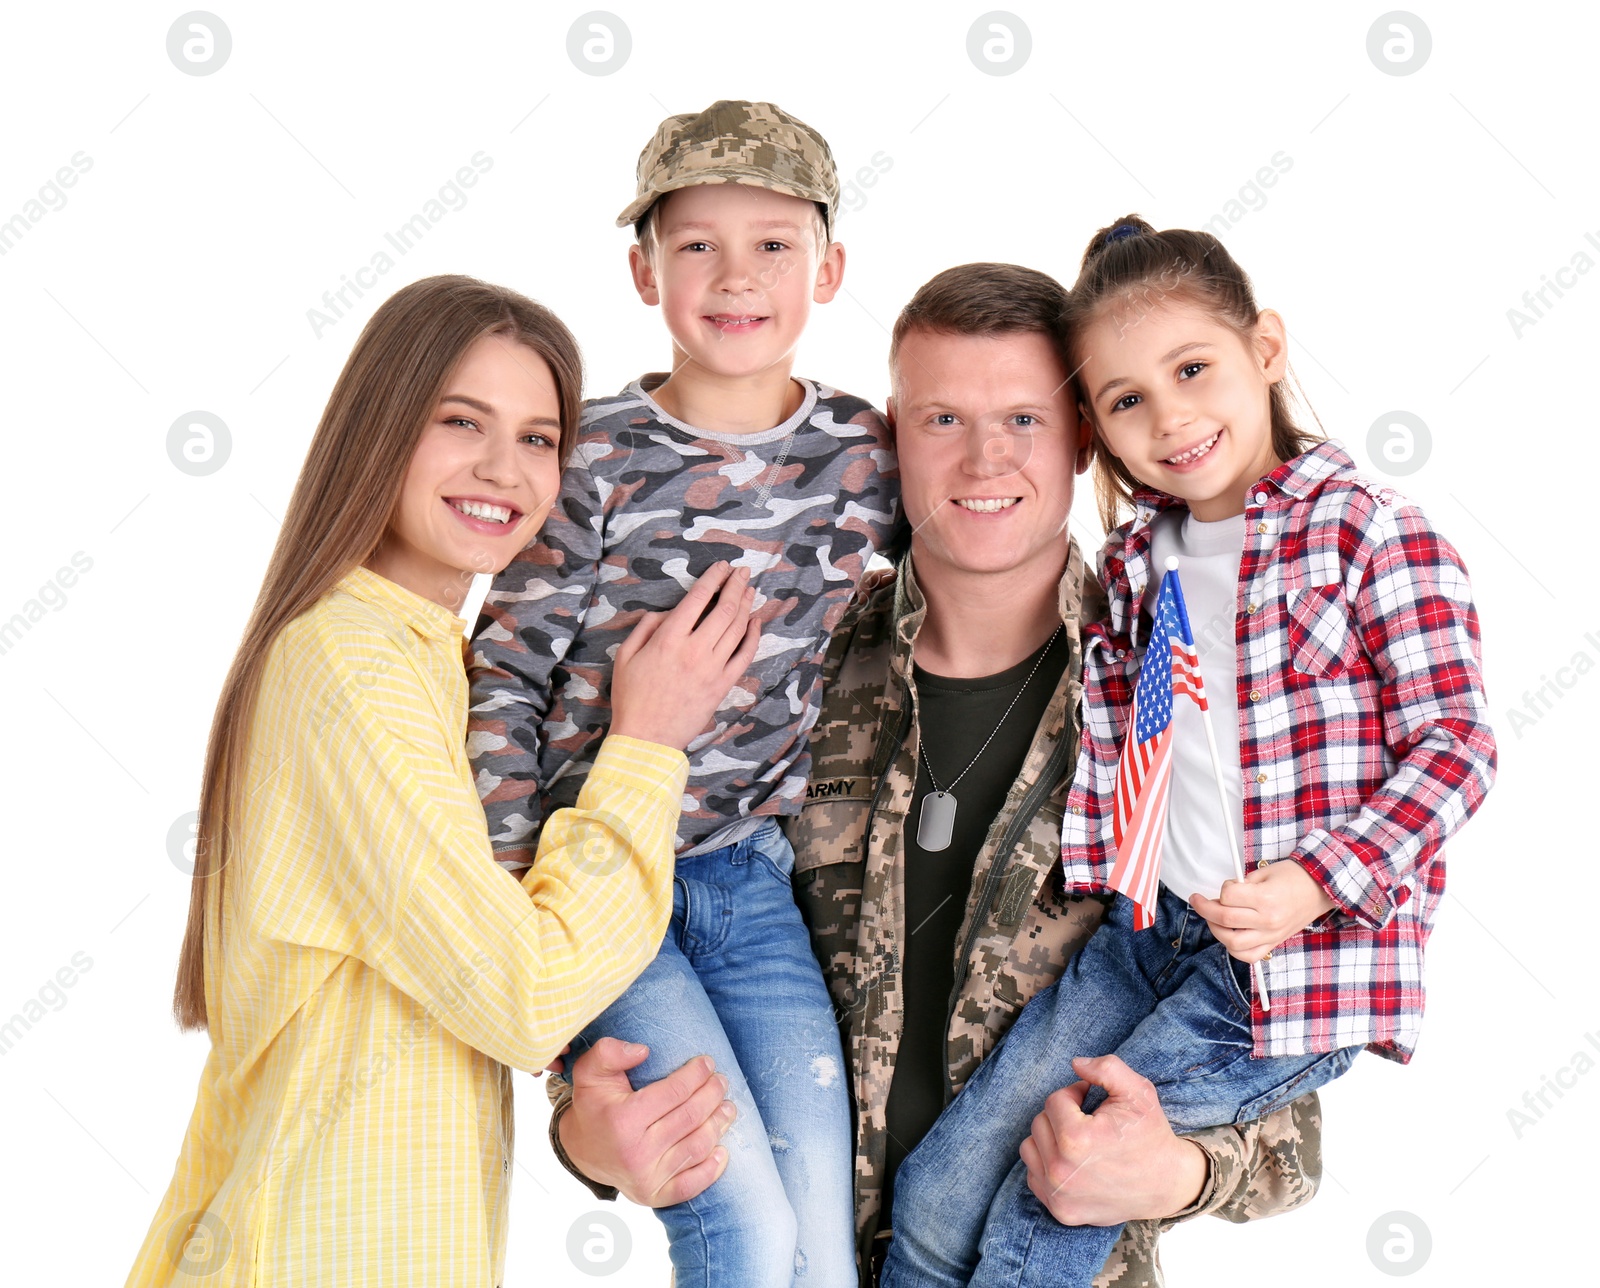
(343, 502)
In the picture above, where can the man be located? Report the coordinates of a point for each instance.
(927, 853)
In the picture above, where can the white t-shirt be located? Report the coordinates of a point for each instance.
(1196, 857)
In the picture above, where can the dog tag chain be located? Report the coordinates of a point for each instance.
(936, 821)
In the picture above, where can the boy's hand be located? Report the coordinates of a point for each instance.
(1252, 917)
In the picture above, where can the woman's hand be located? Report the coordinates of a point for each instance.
(1120, 1163)
(674, 670)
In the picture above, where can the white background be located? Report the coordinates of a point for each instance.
(219, 208)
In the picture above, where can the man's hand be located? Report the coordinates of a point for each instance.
(1252, 917)
(1120, 1163)
(658, 1145)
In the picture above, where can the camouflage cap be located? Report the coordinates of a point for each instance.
(733, 141)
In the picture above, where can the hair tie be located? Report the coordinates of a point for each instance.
(1122, 231)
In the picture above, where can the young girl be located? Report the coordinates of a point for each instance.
(365, 969)
(1350, 710)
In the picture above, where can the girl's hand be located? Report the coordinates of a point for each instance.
(671, 674)
(1252, 917)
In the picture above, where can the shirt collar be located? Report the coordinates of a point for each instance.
(911, 606)
(417, 611)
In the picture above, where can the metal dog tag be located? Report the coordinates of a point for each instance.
(936, 821)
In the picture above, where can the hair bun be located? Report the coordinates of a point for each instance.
(1120, 230)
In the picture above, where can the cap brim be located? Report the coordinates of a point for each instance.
(723, 174)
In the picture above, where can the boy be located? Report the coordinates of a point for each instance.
(726, 457)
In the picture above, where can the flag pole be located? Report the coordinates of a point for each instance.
(1227, 817)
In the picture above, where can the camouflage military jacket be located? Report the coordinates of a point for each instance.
(1019, 928)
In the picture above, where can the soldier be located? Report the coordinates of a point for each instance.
(945, 750)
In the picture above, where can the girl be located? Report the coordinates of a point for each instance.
(1337, 636)
(367, 972)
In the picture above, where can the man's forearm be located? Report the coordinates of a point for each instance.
(1261, 1168)
(1191, 1179)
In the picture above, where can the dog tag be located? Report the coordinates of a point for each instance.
(936, 821)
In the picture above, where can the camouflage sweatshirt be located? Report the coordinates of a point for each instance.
(1019, 928)
(647, 504)
(1018, 931)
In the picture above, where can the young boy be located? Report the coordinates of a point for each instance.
(726, 457)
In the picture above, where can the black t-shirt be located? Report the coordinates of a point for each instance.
(956, 717)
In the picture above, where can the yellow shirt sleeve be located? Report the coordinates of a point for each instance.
(364, 836)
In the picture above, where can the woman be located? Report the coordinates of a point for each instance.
(365, 969)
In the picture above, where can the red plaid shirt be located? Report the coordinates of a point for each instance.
(1363, 738)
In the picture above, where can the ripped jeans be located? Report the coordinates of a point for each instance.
(736, 980)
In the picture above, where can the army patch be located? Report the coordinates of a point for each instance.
(839, 789)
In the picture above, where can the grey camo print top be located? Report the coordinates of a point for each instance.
(647, 504)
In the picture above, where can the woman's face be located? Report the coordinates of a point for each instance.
(483, 476)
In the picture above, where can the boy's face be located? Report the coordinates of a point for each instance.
(735, 273)
(989, 441)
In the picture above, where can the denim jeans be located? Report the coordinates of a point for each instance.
(736, 980)
(1175, 1006)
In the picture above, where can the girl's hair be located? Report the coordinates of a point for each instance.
(1129, 263)
(343, 502)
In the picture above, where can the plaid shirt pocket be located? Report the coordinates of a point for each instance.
(1321, 643)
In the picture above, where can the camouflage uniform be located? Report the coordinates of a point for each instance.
(1019, 927)
(1018, 931)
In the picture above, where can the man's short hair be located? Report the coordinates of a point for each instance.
(982, 300)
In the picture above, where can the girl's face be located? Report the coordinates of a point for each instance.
(483, 476)
(1183, 400)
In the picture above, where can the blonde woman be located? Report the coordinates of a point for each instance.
(367, 973)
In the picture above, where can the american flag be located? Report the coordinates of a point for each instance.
(1144, 773)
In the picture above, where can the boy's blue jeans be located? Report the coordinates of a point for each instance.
(1175, 1006)
(736, 980)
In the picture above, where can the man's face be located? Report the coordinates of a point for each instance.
(988, 439)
